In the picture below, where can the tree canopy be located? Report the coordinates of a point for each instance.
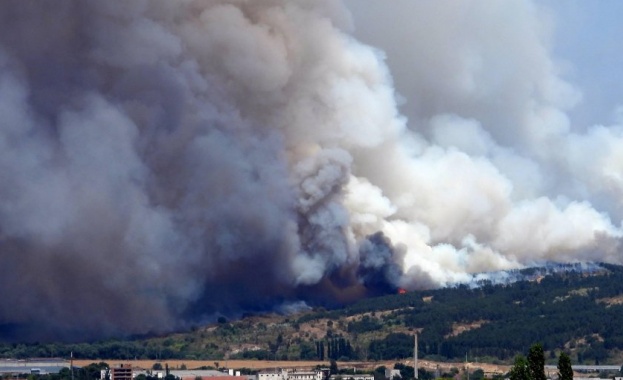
(565, 371)
(536, 362)
(520, 369)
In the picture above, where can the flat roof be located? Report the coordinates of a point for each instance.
(27, 369)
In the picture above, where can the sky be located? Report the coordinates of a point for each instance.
(205, 158)
(587, 38)
(584, 41)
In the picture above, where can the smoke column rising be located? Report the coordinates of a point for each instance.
(162, 162)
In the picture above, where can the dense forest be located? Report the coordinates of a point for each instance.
(576, 312)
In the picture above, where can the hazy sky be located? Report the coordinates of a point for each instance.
(586, 39)
(589, 36)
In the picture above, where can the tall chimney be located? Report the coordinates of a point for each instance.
(415, 374)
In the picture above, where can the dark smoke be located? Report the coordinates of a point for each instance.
(377, 268)
(150, 167)
(164, 162)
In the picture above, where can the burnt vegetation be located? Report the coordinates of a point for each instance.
(575, 312)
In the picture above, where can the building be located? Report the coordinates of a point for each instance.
(216, 378)
(121, 372)
(305, 375)
(356, 376)
(274, 375)
(196, 373)
(291, 375)
(13, 367)
(392, 373)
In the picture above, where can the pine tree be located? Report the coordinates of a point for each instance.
(329, 351)
(536, 362)
(520, 370)
(334, 349)
(342, 348)
(565, 372)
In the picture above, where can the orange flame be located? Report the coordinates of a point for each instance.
(401, 291)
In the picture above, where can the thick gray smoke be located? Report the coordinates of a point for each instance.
(164, 161)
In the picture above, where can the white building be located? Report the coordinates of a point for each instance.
(304, 375)
(291, 375)
(357, 376)
(280, 375)
(392, 373)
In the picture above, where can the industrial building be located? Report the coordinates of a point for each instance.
(121, 372)
(32, 366)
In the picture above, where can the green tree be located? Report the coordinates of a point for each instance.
(520, 369)
(307, 351)
(425, 375)
(536, 362)
(406, 372)
(333, 367)
(64, 373)
(379, 373)
(565, 372)
(478, 374)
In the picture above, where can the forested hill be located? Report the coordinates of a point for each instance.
(579, 312)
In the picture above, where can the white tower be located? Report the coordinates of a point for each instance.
(415, 374)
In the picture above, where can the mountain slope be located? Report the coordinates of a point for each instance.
(578, 311)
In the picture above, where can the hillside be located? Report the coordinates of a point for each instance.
(578, 312)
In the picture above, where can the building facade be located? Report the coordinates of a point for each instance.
(291, 375)
(121, 372)
(352, 377)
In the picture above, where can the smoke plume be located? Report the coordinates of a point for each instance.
(163, 162)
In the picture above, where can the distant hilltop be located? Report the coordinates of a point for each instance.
(532, 273)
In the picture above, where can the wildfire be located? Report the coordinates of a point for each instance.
(402, 291)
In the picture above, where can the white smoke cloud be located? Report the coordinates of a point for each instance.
(500, 166)
(192, 158)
